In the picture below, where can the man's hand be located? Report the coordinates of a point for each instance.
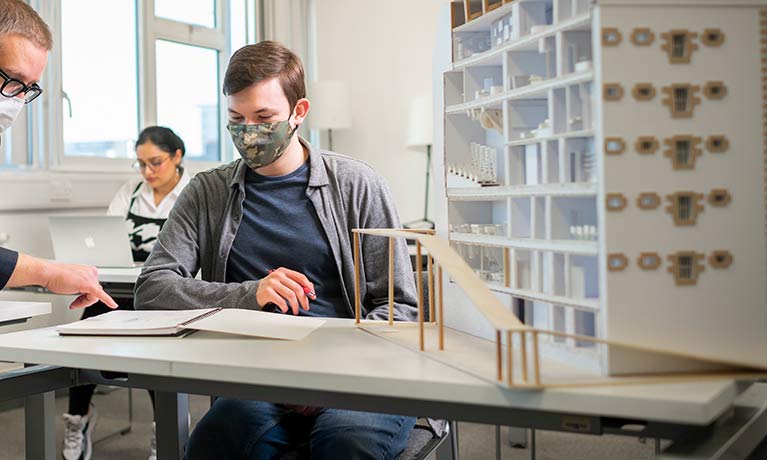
(285, 288)
(61, 279)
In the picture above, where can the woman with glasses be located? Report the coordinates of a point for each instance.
(145, 202)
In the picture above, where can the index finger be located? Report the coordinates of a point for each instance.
(298, 277)
(104, 297)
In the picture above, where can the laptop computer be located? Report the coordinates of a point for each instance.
(91, 240)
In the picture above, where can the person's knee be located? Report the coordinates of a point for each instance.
(207, 440)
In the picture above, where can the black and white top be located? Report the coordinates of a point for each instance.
(135, 201)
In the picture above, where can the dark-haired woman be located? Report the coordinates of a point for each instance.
(145, 202)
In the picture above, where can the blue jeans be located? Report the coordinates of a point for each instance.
(236, 429)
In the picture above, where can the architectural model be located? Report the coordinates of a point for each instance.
(628, 201)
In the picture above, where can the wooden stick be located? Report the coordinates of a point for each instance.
(524, 355)
(506, 270)
(419, 270)
(498, 353)
(391, 281)
(430, 261)
(510, 357)
(356, 278)
(536, 359)
(441, 310)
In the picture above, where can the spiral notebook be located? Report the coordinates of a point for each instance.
(235, 321)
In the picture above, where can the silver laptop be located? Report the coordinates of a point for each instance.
(91, 240)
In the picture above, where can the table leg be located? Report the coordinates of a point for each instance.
(40, 425)
(172, 424)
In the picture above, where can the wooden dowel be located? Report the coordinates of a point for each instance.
(510, 357)
(523, 336)
(441, 310)
(391, 281)
(356, 278)
(498, 353)
(419, 281)
(432, 318)
(536, 360)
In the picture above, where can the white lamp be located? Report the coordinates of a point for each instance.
(330, 107)
(420, 133)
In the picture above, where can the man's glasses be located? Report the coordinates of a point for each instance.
(12, 88)
(153, 164)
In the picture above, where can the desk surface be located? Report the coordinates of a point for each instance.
(342, 358)
(15, 311)
(119, 275)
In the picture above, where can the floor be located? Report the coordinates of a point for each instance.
(475, 441)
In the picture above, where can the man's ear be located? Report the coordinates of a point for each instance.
(301, 111)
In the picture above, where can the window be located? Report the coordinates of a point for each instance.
(616, 262)
(684, 207)
(99, 93)
(649, 261)
(720, 259)
(187, 97)
(197, 12)
(712, 37)
(613, 91)
(614, 145)
(679, 46)
(95, 125)
(715, 90)
(685, 267)
(719, 198)
(646, 145)
(683, 151)
(615, 202)
(643, 91)
(642, 36)
(717, 144)
(610, 36)
(648, 200)
(681, 100)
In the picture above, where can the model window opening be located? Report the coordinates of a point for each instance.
(680, 99)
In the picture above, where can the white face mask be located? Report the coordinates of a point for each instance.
(9, 110)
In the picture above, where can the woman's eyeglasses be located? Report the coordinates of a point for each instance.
(152, 164)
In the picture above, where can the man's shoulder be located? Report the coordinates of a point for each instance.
(348, 169)
(215, 177)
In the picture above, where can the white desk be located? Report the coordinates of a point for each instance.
(342, 366)
(119, 275)
(16, 312)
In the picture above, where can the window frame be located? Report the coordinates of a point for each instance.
(41, 134)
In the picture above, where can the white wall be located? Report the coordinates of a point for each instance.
(384, 51)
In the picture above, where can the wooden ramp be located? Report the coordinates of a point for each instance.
(514, 358)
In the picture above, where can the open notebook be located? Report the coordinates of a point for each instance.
(175, 322)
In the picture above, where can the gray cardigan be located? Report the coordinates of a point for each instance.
(345, 192)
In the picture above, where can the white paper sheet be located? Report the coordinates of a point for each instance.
(258, 324)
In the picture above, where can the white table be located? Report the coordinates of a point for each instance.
(19, 312)
(342, 366)
(119, 275)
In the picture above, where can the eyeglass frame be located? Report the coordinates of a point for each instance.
(23, 89)
(139, 165)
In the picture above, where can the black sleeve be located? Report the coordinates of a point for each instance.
(8, 261)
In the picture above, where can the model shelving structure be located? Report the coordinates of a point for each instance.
(605, 170)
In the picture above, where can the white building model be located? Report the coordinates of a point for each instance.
(606, 172)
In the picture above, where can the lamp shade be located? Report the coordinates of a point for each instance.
(330, 105)
(420, 128)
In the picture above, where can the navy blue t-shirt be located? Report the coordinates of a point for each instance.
(280, 228)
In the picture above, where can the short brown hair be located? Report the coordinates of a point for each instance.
(253, 64)
(18, 18)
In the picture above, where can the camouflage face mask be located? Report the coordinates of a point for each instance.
(261, 144)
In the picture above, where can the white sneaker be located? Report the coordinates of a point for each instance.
(153, 443)
(78, 439)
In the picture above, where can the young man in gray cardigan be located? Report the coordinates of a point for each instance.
(272, 231)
